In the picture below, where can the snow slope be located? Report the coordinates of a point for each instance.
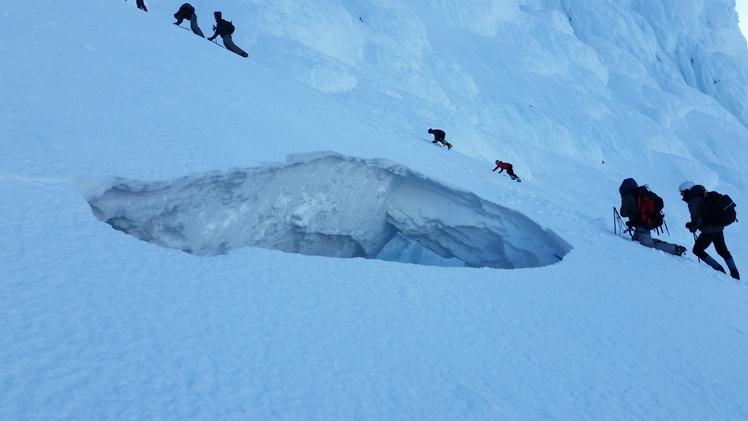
(110, 113)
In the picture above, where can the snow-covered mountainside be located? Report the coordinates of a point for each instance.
(462, 294)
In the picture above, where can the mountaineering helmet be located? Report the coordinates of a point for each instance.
(497, 162)
(685, 186)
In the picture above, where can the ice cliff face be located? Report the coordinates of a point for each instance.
(669, 44)
(511, 76)
(327, 205)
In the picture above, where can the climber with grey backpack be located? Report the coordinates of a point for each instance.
(187, 11)
(225, 29)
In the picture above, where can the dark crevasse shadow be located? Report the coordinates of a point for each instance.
(326, 204)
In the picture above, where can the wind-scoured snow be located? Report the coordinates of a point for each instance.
(172, 139)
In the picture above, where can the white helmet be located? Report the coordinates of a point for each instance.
(685, 186)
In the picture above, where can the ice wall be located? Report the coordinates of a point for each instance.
(512, 76)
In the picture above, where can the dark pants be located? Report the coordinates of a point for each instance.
(510, 171)
(441, 140)
(186, 14)
(141, 5)
(229, 43)
(704, 240)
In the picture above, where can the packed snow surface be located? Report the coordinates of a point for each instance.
(462, 294)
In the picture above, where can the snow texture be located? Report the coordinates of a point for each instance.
(269, 169)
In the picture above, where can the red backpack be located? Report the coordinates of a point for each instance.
(650, 205)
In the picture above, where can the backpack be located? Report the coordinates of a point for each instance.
(720, 209)
(650, 206)
(230, 27)
(189, 7)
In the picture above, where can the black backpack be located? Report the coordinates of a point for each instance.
(188, 6)
(230, 27)
(650, 206)
(720, 209)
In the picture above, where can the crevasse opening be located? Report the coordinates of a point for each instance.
(326, 204)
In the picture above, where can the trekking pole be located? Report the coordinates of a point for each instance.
(216, 43)
(617, 222)
(694, 241)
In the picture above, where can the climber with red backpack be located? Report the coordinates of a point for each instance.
(643, 208)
